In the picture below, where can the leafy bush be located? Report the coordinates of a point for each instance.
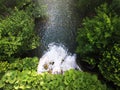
(28, 6)
(19, 65)
(14, 3)
(86, 7)
(97, 38)
(31, 7)
(3, 7)
(116, 6)
(6, 6)
(3, 68)
(111, 70)
(71, 80)
(17, 35)
(24, 64)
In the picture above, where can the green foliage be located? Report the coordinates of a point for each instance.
(31, 7)
(87, 6)
(22, 75)
(17, 35)
(116, 6)
(3, 68)
(3, 7)
(24, 64)
(94, 35)
(6, 6)
(20, 4)
(71, 80)
(19, 65)
(97, 38)
(39, 11)
(28, 6)
(111, 70)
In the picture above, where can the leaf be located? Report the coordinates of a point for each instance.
(2, 84)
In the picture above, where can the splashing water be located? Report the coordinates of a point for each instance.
(57, 60)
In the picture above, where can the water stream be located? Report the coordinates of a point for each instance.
(60, 30)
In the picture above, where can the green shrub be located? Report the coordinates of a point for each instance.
(86, 7)
(71, 80)
(6, 6)
(17, 35)
(116, 6)
(31, 7)
(19, 64)
(3, 68)
(110, 64)
(20, 4)
(97, 38)
(3, 7)
(24, 64)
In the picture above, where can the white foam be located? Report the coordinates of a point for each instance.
(56, 60)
